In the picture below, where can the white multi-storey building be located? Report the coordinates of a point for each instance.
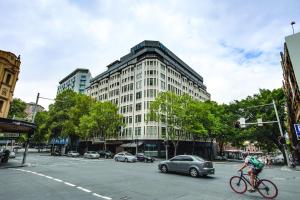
(135, 80)
(77, 81)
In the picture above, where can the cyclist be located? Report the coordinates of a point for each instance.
(255, 166)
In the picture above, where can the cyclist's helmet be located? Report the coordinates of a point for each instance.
(245, 154)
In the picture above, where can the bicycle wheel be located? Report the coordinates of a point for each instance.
(238, 184)
(267, 189)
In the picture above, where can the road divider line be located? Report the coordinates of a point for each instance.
(100, 196)
(58, 180)
(69, 184)
(66, 183)
(83, 189)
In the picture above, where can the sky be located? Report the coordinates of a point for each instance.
(234, 45)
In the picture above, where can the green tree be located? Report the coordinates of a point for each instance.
(170, 108)
(106, 119)
(17, 109)
(41, 134)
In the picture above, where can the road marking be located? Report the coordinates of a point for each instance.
(69, 184)
(66, 183)
(100, 196)
(49, 177)
(58, 180)
(278, 178)
(83, 189)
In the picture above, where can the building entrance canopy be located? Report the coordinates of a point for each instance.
(133, 144)
(15, 126)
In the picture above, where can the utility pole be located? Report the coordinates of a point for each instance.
(32, 120)
(281, 133)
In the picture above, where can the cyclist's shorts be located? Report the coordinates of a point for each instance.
(256, 171)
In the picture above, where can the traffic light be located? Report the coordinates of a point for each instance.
(281, 140)
(237, 124)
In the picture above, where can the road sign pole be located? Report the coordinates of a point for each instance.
(281, 133)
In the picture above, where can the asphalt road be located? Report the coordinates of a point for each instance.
(63, 178)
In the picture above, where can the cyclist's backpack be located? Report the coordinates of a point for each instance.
(256, 163)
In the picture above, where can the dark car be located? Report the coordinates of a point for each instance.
(142, 158)
(105, 154)
(188, 164)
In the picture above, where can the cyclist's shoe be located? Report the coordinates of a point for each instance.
(252, 190)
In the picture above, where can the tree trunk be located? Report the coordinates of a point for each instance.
(193, 151)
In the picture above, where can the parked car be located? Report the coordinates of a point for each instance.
(188, 164)
(73, 154)
(141, 157)
(278, 159)
(91, 154)
(12, 154)
(4, 155)
(125, 156)
(105, 154)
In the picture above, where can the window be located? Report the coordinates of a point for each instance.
(8, 77)
(162, 67)
(138, 130)
(138, 106)
(138, 84)
(1, 105)
(138, 118)
(163, 132)
(130, 119)
(151, 130)
(162, 85)
(139, 95)
(162, 76)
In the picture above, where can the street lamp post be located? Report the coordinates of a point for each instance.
(292, 23)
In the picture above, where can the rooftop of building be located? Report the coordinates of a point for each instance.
(151, 46)
(73, 73)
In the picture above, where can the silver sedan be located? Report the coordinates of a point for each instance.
(124, 156)
(188, 164)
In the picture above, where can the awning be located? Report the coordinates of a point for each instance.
(133, 144)
(16, 126)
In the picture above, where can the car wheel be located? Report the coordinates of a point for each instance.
(126, 160)
(194, 172)
(164, 169)
(116, 159)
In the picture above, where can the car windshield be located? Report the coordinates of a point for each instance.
(198, 158)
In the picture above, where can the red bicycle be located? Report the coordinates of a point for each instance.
(265, 187)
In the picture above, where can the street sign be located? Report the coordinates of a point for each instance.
(297, 130)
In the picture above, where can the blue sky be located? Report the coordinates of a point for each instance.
(234, 45)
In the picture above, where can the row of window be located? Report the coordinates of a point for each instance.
(150, 130)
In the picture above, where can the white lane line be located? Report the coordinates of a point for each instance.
(58, 180)
(49, 177)
(66, 183)
(100, 196)
(83, 189)
(69, 184)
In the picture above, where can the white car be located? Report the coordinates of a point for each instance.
(12, 154)
(91, 154)
(124, 156)
(73, 154)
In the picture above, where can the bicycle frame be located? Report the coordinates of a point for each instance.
(256, 179)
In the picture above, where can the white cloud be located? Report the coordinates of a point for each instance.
(56, 36)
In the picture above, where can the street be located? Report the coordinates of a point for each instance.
(57, 178)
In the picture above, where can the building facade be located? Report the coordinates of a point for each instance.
(135, 80)
(9, 72)
(290, 61)
(77, 81)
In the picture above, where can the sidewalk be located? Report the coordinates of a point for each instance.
(286, 168)
(11, 164)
